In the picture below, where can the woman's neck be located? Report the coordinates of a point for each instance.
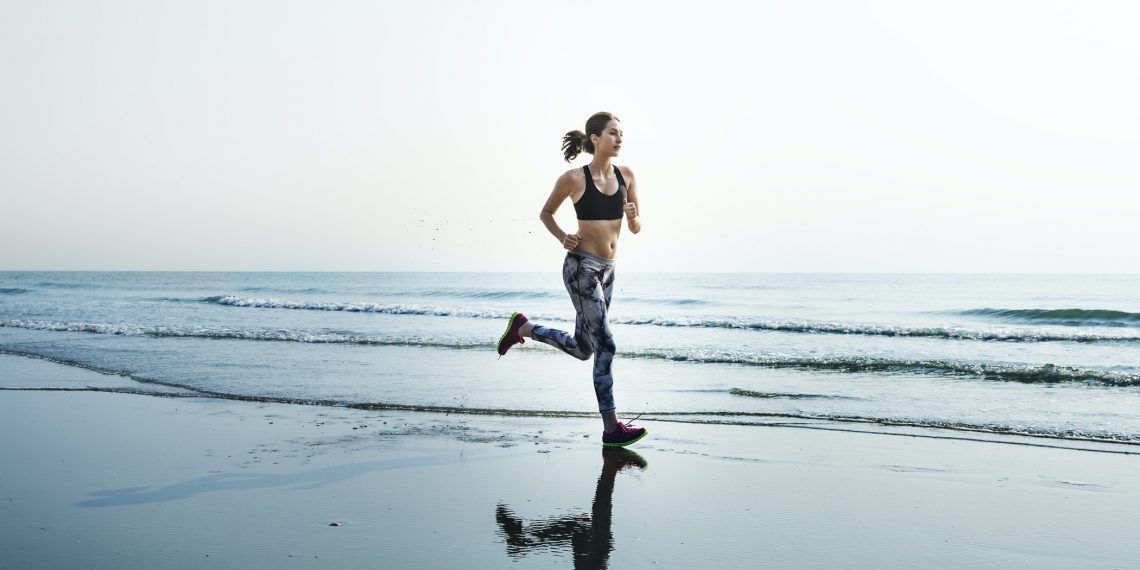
(601, 164)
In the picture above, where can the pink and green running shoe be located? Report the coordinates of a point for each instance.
(511, 336)
(622, 436)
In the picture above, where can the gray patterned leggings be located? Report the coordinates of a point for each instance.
(590, 281)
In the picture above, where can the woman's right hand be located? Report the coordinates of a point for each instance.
(571, 241)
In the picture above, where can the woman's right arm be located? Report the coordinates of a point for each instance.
(562, 190)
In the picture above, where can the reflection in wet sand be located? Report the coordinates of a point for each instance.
(589, 536)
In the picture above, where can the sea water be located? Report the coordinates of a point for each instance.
(1046, 355)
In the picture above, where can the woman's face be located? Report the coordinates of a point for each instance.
(609, 142)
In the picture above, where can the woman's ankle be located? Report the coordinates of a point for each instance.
(525, 329)
(609, 420)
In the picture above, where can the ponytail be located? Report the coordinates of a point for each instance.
(573, 143)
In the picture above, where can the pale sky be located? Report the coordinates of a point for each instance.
(838, 136)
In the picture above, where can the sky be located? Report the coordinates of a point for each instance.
(794, 136)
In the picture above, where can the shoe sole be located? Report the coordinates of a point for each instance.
(625, 443)
(510, 324)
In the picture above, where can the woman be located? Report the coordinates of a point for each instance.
(602, 193)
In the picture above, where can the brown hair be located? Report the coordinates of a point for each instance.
(575, 141)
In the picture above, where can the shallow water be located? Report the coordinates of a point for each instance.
(1056, 356)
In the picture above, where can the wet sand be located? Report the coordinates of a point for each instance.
(109, 480)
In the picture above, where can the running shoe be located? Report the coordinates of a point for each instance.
(511, 336)
(622, 436)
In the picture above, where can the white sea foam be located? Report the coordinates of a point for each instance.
(773, 325)
(356, 307)
(1016, 372)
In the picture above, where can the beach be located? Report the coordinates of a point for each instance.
(109, 480)
(270, 298)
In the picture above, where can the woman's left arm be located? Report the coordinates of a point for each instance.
(631, 205)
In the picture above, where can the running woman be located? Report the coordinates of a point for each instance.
(602, 193)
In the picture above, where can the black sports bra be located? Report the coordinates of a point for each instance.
(593, 205)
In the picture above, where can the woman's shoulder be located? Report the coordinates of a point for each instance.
(573, 175)
(626, 172)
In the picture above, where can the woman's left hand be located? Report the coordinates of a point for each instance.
(630, 209)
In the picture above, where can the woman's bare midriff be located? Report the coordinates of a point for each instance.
(599, 237)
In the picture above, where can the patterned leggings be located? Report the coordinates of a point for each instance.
(590, 281)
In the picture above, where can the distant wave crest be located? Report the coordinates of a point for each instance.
(949, 333)
(1025, 373)
(14, 291)
(784, 396)
(1071, 317)
(58, 285)
(786, 326)
(674, 302)
(480, 294)
(283, 290)
(387, 309)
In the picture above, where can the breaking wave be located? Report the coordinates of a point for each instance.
(786, 326)
(1068, 317)
(1024, 373)
(167, 388)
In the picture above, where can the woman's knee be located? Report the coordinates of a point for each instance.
(606, 345)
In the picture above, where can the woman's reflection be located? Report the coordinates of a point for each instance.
(590, 536)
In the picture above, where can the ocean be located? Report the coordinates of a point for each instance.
(1052, 356)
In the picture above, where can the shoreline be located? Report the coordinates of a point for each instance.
(96, 381)
(108, 480)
